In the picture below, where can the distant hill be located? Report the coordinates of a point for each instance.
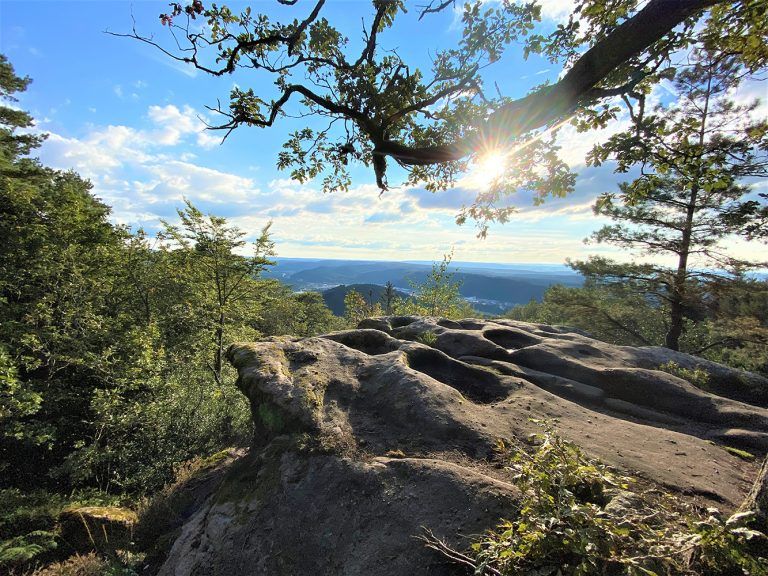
(334, 297)
(490, 288)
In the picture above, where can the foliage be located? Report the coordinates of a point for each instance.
(357, 308)
(566, 525)
(374, 105)
(696, 376)
(427, 338)
(739, 326)
(609, 313)
(438, 295)
(87, 565)
(731, 325)
(725, 546)
(111, 341)
(388, 299)
(20, 550)
(208, 247)
(298, 314)
(696, 156)
(29, 532)
(164, 512)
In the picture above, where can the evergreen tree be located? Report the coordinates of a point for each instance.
(388, 298)
(695, 155)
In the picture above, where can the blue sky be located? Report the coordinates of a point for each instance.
(127, 117)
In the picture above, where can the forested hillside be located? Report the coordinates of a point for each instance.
(490, 290)
(111, 348)
(373, 293)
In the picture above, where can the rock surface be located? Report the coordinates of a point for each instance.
(364, 437)
(102, 528)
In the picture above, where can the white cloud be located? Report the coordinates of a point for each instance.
(557, 10)
(133, 171)
(173, 123)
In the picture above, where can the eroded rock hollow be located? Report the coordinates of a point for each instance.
(366, 436)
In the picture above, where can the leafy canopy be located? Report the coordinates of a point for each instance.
(372, 106)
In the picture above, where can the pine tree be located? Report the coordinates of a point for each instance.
(695, 156)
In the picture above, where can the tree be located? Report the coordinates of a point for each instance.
(388, 298)
(438, 295)
(300, 314)
(434, 123)
(13, 146)
(357, 308)
(610, 313)
(695, 156)
(210, 244)
(739, 327)
(105, 336)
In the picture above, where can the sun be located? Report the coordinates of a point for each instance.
(489, 167)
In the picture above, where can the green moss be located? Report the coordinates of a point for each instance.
(108, 513)
(214, 459)
(696, 376)
(314, 400)
(270, 417)
(258, 476)
(743, 454)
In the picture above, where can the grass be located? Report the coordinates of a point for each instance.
(743, 454)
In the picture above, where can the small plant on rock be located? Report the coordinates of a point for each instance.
(427, 338)
(579, 518)
(696, 376)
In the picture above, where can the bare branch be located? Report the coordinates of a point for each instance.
(432, 9)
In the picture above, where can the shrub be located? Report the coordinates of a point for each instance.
(696, 376)
(427, 338)
(162, 515)
(27, 526)
(567, 525)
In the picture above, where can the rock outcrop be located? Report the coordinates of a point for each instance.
(101, 528)
(365, 437)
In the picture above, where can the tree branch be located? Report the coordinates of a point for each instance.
(550, 103)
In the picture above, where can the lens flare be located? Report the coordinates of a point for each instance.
(489, 167)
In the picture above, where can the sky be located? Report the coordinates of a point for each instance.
(131, 120)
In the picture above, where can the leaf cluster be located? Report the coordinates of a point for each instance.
(567, 526)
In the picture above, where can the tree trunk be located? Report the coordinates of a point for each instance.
(219, 359)
(679, 288)
(672, 339)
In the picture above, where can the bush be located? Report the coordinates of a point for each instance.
(162, 515)
(696, 376)
(427, 338)
(27, 527)
(579, 518)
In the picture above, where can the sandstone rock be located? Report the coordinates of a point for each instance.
(365, 436)
(101, 528)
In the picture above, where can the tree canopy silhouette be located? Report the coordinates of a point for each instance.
(435, 123)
